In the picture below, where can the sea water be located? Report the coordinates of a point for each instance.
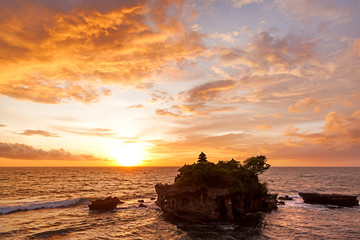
(51, 203)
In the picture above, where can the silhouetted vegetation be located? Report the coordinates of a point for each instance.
(237, 177)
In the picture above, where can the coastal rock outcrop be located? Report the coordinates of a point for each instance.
(331, 199)
(225, 191)
(201, 204)
(106, 204)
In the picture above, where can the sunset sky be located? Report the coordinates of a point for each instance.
(154, 83)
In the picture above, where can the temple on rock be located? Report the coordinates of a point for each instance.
(205, 191)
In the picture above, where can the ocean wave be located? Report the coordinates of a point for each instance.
(295, 196)
(39, 205)
(53, 233)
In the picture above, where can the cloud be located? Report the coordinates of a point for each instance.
(54, 52)
(204, 98)
(38, 132)
(100, 132)
(67, 119)
(240, 3)
(307, 104)
(356, 113)
(246, 30)
(264, 52)
(226, 37)
(53, 92)
(264, 127)
(278, 115)
(162, 96)
(136, 106)
(26, 152)
(343, 128)
(301, 154)
(313, 138)
(2, 125)
(356, 47)
(338, 131)
(306, 10)
(167, 113)
(205, 109)
(208, 91)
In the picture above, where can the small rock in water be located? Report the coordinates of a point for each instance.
(152, 198)
(142, 205)
(285, 198)
(106, 204)
(281, 203)
(141, 201)
(330, 199)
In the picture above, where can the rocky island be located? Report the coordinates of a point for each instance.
(106, 204)
(225, 191)
(330, 199)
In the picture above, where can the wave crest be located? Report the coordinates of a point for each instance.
(38, 205)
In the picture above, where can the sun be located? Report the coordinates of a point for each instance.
(129, 154)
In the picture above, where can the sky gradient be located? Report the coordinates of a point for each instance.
(154, 83)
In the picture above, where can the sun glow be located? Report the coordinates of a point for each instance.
(129, 154)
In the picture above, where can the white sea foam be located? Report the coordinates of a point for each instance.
(38, 205)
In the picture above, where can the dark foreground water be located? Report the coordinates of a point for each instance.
(51, 203)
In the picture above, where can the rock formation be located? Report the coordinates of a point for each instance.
(106, 204)
(331, 199)
(142, 205)
(214, 192)
(286, 197)
(201, 204)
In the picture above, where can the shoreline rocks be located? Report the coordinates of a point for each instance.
(203, 204)
(106, 204)
(286, 197)
(330, 199)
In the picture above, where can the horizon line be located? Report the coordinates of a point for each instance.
(157, 166)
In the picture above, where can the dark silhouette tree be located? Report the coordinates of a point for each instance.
(256, 165)
(202, 158)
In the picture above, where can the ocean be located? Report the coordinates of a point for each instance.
(51, 203)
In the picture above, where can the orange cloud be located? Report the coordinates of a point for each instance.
(52, 92)
(49, 49)
(208, 91)
(100, 132)
(205, 109)
(338, 130)
(337, 145)
(307, 104)
(240, 3)
(26, 152)
(204, 99)
(38, 132)
(265, 51)
(161, 96)
(342, 128)
(356, 113)
(136, 106)
(264, 127)
(356, 47)
(167, 113)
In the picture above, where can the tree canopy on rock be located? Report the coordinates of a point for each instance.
(237, 177)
